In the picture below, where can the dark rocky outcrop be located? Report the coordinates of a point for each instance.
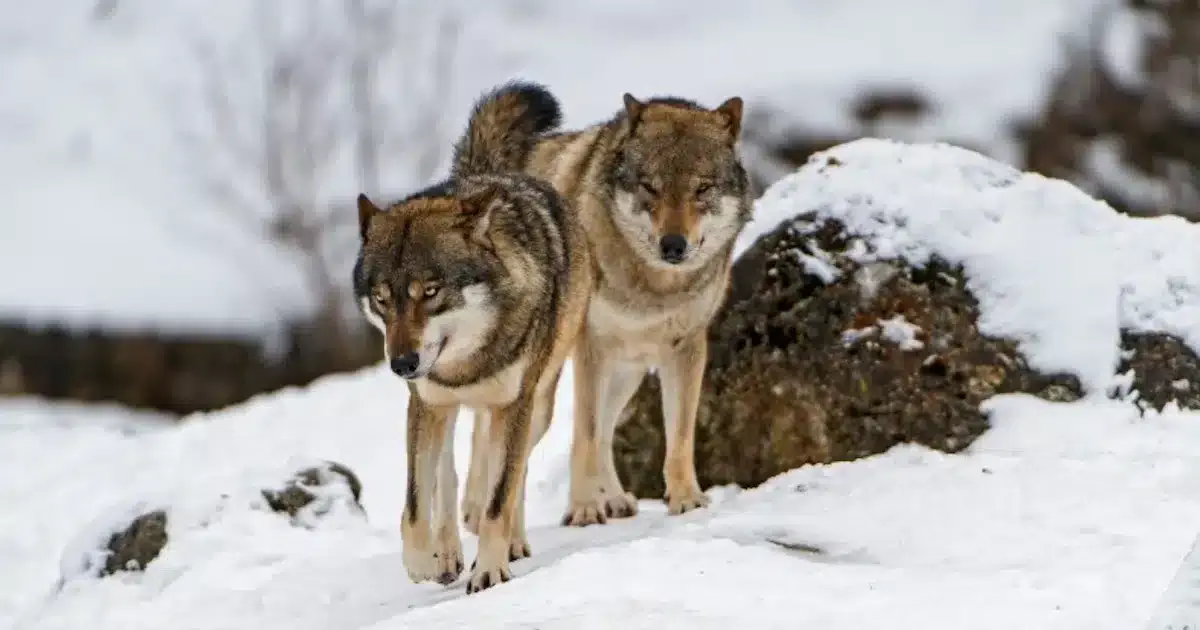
(1131, 140)
(136, 546)
(307, 495)
(801, 371)
(1165, 369)
(318, 487)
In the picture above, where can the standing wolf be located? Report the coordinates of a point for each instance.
(480, 286)
(662, 194)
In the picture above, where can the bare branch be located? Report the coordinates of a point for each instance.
(430, 123)
(278, 118)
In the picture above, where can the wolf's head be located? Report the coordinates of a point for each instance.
(425, 279)
(681, 193)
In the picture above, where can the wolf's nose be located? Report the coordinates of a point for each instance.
(673, 247)
(405, 366)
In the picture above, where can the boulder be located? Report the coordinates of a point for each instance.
(804, 372)
(821, 353)
(1164, 370)
(1118, 119)
(315, 490)
(129, 540)
(136, 546)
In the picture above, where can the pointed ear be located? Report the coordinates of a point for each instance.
(366, 210)
(477, 207)
(633, 109)
(731, 111)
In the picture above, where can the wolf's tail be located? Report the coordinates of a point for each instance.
(504, 127)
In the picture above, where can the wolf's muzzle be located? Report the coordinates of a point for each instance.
(405, 366)
(673, 248)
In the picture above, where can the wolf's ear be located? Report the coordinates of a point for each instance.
(731, 111)
(633, 109)
(477, 208)
(366, 210)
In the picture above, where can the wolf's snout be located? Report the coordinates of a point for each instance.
(405, 366)
(673, 248)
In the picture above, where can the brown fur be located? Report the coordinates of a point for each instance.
(658, 168)
(488, 274)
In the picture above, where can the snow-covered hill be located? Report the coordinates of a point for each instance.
(106, 218)
(1061, 516)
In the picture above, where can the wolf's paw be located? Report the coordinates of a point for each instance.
(472, 514)
(486, 577)
(623, 505)
(442, 564)
(518, 548)
(682, 501)
(584, 513)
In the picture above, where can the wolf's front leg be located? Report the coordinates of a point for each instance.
(603, 386)
(427, 558)
(447, 544)
(681, 375)
(475, 493)
(508, 453)
(543, 413)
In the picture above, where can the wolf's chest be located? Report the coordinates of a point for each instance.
(652, 322)
(497, 389)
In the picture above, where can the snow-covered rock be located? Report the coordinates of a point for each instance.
(885, 290)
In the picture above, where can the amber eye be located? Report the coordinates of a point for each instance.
(431, 291)
(648, 188)
(703, 188)
(380, 299)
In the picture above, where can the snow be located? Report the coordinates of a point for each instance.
(1063, 515)
(107, 223)
(1052, 268)
(901, 332)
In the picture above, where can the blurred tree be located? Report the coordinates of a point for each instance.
(317, 89)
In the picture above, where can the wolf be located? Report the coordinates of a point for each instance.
(480, 285)
(662, 193)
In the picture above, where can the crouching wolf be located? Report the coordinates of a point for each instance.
(480, 286)
(662, 194)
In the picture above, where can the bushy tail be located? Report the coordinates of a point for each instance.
(504, 127)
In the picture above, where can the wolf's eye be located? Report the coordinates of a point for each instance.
(703, 188)
(380, 299)
(431, 290)
(648, 188)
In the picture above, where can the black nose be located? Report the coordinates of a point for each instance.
(673, 247)
(405, 366)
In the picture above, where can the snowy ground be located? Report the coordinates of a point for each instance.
(100, 193)
(1062, 516)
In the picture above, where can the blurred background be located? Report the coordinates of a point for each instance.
(177, 176)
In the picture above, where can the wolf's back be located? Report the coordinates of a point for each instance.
(504, 127)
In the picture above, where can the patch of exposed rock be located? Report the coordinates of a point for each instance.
(305, 497)
(136, 546)
(1164, 370)
(815, 358)
(315, 490)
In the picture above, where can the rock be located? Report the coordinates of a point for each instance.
(1118, 122)
(307, 495)
(315, 491)
(804, 371)
(135, 547)
(1165, 369)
